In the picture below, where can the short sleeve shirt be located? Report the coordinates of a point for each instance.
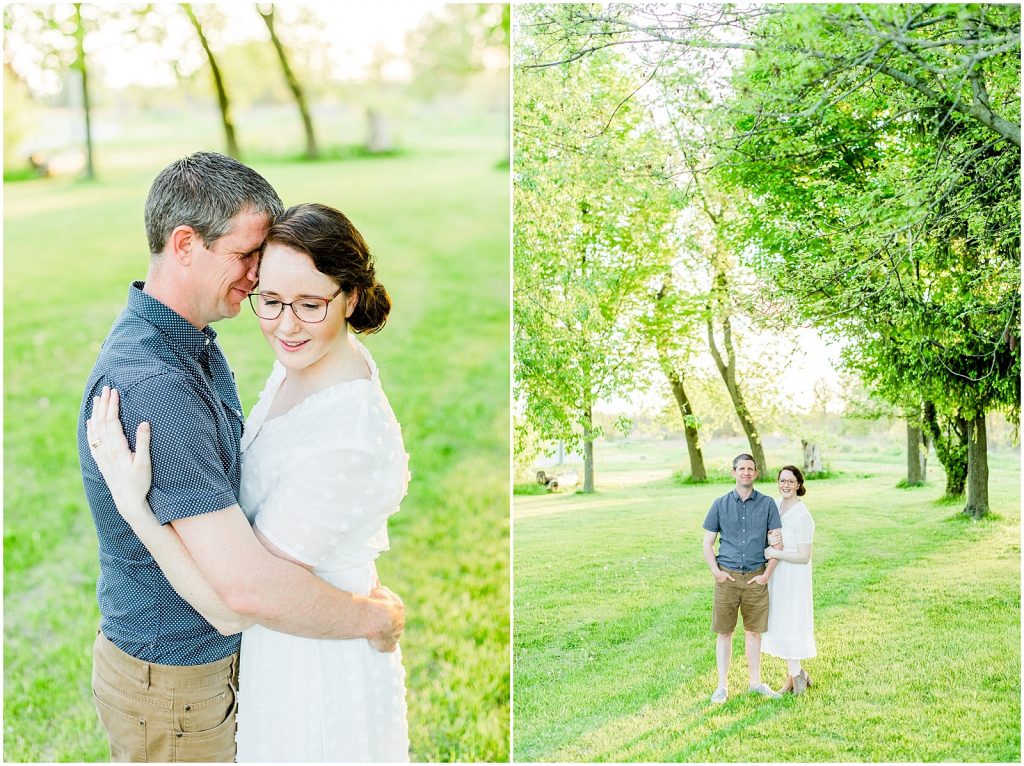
(743, 527)
(175, 377)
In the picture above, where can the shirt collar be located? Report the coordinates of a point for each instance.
(736, 495)
(172, 324)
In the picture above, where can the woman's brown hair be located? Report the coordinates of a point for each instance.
(339, 251)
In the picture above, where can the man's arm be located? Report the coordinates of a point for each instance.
(764, 577)
(283, 596)
(709, 556)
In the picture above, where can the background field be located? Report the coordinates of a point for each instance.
(917, 620)
(437, 218)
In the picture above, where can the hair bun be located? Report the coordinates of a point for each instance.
(372, 309)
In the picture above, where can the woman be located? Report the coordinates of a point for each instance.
(790, 633)
(323, 466)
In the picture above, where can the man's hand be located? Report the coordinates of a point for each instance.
(390, 612)
(761, 579)
(721, 576)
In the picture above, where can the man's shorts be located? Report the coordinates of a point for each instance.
(732, 597)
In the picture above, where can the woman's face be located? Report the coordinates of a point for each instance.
(788, 484)
(288, 275)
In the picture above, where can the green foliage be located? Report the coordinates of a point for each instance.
(917, 626)
(591, 230)
(442, 252)
(457, 42)
(884, 214)
(18, 113)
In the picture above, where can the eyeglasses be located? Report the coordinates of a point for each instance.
(310, 310)
(788, 481)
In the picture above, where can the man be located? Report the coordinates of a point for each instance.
(164, 678)
(746, 520)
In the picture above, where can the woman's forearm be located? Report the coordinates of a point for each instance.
(180, 570)
(800, 556)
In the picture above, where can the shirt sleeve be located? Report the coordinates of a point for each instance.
(190, 463)
(805, 530)
(321, 495)
(774, 519)
(711, 520)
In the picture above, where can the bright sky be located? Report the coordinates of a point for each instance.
(354, 31)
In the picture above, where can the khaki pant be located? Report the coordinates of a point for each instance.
(738, 595)
(165, 713)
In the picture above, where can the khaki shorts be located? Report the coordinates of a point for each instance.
(166, 713)
(732, 597)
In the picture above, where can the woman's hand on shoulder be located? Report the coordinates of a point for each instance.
(128, 474)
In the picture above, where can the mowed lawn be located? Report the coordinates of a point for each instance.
(917, 622)
(437, 220)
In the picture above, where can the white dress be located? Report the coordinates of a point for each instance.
(320, 482)
(790, 633)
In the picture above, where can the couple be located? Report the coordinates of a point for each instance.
(270, 530)
(747, 521)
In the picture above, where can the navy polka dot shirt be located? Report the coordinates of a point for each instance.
(175, 377)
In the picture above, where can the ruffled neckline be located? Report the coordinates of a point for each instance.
(257, 420)
(778, 504)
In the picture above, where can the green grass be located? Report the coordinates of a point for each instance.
(917, 622)
(437, 219)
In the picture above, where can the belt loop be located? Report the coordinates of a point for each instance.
(146, 677)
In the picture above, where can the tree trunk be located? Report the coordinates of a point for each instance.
(950, 440)
(312, 151)
(697, 470)
(977, 468)
(80, 65)
(915, 463)
(812, 457)
(588, 449)
(378, 137)
(728, 372)
(218, 83)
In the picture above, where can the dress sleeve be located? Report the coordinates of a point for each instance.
(322, 495)
(805, 530)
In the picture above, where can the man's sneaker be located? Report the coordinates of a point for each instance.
(764, 691)
(719, 696)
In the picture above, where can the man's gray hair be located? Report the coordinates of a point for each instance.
(736, 460)
(205, 191)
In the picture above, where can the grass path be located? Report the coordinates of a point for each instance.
(917, 616)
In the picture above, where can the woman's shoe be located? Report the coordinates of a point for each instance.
(788, 686)
(807, 678)
(800, 682)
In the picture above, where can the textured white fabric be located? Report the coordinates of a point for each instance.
(790, 633)
(320, 482)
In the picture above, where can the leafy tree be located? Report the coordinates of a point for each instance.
(893, 215)
(591, 232)
(58, 34)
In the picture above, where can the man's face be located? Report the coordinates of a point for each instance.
(226, 273)
(745, 472)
